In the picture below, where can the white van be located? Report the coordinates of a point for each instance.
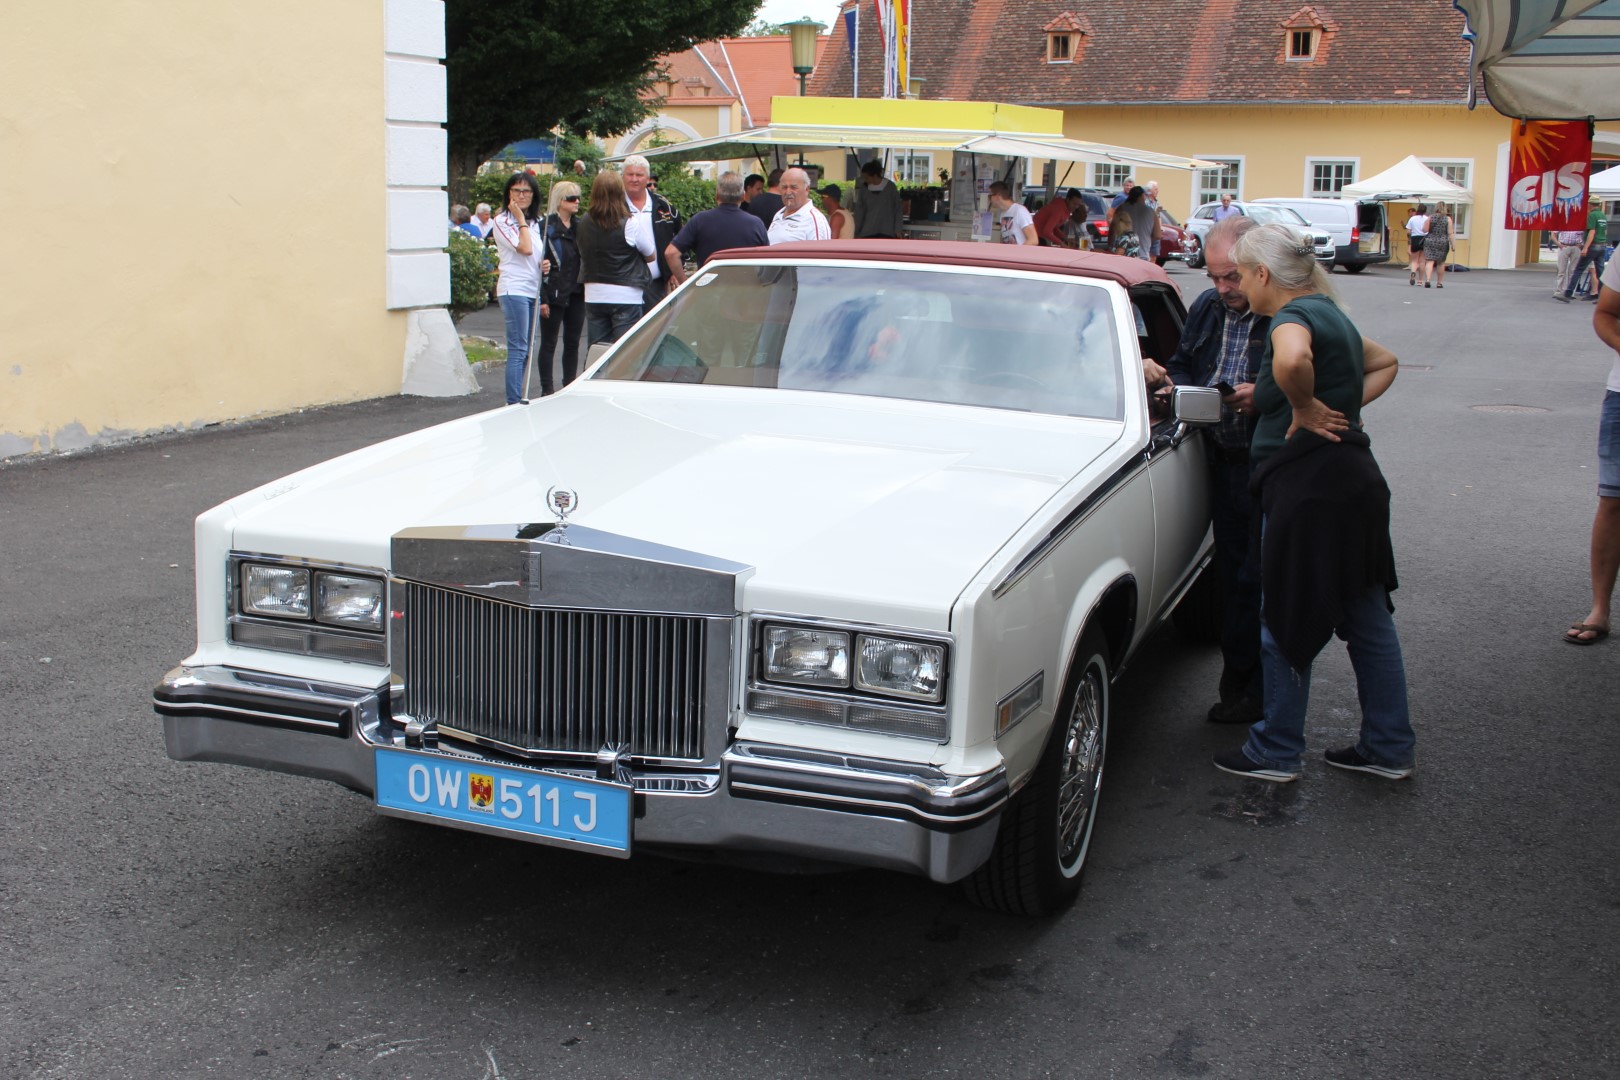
(1360, 230)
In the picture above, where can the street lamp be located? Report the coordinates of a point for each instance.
(802, 41)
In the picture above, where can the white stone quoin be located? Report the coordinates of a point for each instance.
(417, 267)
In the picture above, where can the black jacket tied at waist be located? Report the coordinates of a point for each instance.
(1325, 509)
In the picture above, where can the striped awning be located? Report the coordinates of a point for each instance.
(1546, 59)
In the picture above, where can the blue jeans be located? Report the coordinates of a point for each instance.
(608, 322)
(1278, 739)
(519, 314)
(1238, 570)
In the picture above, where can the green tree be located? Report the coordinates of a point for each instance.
(520, 68)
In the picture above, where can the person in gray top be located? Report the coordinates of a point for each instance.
(1145, 220)
(876, 204)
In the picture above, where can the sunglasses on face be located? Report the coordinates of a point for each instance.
(570, 198)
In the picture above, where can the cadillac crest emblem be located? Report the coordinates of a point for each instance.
(562, 502)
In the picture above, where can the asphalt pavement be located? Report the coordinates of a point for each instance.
(160, 919)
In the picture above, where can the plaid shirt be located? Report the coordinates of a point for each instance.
(1233, 368)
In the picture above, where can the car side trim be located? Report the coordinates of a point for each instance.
(1071, 521)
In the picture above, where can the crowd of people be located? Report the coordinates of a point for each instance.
(560, 271)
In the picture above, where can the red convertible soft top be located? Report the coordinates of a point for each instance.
(1048, 260)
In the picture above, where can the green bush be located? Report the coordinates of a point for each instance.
(687, 193)
(472, 273)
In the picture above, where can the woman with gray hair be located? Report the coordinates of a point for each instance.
(1326, 562)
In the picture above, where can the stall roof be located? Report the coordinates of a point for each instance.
(1605, 184)
(1544, 60)
(801, 123)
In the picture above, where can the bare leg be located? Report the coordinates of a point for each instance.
(1440, 272)
(1605, 564)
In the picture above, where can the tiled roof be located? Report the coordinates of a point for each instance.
(692, 78)
(1170, 52)
(764, 69)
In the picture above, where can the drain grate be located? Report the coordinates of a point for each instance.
(1509, 408)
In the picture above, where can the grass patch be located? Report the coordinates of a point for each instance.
(482, 350)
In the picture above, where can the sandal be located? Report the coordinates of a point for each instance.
(1573, 634)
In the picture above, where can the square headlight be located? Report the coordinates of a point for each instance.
(900, 668)
(282, 592)
(806, 657)
(348, 600)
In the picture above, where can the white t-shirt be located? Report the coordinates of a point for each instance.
(1611, 280)
(1014, 220)
(638, 231)
(806, 223)
(520, 274)
(1417, 225)
(645, 213)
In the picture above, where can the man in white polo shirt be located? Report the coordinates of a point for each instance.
(798, 219)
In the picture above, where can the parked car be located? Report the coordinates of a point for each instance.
(1360, 229)
(1171, 232)
(834, 557)
(1204, 218)
(1099, 206)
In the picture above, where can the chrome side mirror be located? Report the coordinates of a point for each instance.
(1197, 405)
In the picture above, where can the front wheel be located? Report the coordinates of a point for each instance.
(1040, 851)
(1194, 256)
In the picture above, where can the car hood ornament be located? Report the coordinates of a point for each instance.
(562, 502)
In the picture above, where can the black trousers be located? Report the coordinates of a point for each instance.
(568, 319)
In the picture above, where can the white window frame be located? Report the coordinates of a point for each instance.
(1459, 221)
(1109, 176)
(903, 166)
(1199, 190)
(1310, 175)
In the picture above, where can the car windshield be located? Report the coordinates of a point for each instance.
(997, 341)
(1274, 215)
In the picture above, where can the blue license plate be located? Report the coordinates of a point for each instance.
(593, 815)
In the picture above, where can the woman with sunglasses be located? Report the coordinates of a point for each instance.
(519, 286)
(563, 309)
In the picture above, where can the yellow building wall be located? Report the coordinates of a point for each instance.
(196, 192)
(1275, 143)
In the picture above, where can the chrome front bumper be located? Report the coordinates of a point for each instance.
(763, 799)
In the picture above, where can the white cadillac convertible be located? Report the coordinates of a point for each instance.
(833, 558)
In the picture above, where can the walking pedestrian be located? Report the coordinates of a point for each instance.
(518, 287)
(562, 314)
(1326, 562)
(615, 247)
(1437, 247)
(1597, 228)
(1605, 549)
(1417, 232)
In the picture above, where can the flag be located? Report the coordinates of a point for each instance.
(1547, 168)
(852, 31)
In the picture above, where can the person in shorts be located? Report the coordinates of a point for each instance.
(1606, 524)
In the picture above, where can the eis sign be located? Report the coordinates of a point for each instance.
(1547, 168)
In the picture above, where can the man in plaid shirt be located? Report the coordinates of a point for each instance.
(1221, 346)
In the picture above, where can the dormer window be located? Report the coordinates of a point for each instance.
(1306, 35)
(1066, 38)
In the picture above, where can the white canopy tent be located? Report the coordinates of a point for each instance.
(1605, 184)
(1408, 179)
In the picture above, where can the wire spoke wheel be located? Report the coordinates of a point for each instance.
(1080, 771)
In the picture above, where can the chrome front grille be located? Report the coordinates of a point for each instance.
(538, 680)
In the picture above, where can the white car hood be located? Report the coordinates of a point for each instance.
(846, 507)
